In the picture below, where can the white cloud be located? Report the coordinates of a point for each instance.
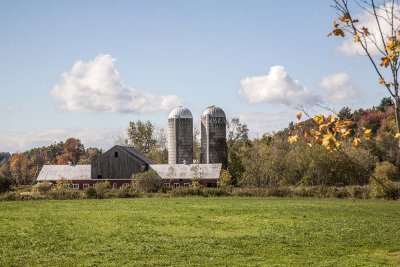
(97, 86)
(366, 19)
(338, 88)
(90, 137)
(276, 87)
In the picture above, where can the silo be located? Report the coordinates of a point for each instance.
(180, 136)
(213, 137)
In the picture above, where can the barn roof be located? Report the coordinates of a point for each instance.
(136, 154)
(69, 172)
(190, 171)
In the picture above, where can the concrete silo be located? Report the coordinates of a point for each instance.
(180, 136)
(213, 137)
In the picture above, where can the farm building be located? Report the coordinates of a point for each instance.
(181, 175)
(116, 166)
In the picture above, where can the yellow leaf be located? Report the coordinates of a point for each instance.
(390, 46)
(356, 38)
(397, 135)
(381, 81)
(323, 127)
(345, 18)
(392, 57)
(367, 134)
(385, 62)
(365, 31)
(293, 139)
(346, 133)
(299, 116)
(356, 141)
(338, 32)
(329, 142)
(335, 24)
(319, 119)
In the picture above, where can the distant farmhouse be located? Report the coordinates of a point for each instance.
(118, 164)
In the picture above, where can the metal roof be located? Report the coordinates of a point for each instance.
(137, 154)
(190, 171)
(180, 112)
(68, 172)
(213, 111)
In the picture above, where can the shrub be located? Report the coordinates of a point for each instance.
(386, 169)
(101, 189)
(146, 182)
(42, 188)
(126, 192)
(91, 192)
(381, 182)
(225, 179)
(5, 184)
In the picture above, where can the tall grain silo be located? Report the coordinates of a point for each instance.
(213, 137)
(180, 136)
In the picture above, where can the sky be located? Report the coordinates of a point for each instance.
(85, 69)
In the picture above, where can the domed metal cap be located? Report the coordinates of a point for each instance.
(180, 112)
(213, 111)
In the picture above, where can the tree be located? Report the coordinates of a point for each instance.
(91, 154)
(345, 113)
(141, 135)
(385, 103)
(73, 149)
(238, 142)
(380, 43)
(148, 139)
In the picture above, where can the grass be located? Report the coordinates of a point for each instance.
(200, 232)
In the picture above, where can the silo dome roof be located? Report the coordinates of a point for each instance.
(213, 111)
(181, 112)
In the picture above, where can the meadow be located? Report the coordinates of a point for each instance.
(195, 231)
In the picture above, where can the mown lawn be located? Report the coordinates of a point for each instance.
(200, 232)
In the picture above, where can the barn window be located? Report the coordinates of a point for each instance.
(75, 186)
(167, 185)
(176, 185)
(116, 154)
(99, 176)
(85, 186)
(186, 185)
(115, 186)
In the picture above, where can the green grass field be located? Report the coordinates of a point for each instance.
(200, 232)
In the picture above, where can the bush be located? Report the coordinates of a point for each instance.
(146, 182)
(225, 179)
(5, 184)
(101, 189)
(381, 182)
(42, 188)
(126, 192)
(65, 194)
(91, 193)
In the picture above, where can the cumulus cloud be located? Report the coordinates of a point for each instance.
(276, 87)
(90, 137)
(338, 88)
(366, 19)
(97, 86)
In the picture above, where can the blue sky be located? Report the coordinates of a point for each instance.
(197, 52)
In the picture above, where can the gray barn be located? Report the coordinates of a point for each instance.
(119, 162)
